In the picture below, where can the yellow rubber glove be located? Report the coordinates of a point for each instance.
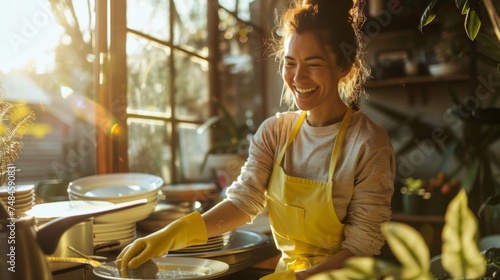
(186, 231)
(283, 275)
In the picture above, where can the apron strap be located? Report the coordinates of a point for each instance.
(295, 129)
(338, 142)
(336, 147)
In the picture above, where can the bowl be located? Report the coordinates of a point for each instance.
(115, 187)
(442, 69)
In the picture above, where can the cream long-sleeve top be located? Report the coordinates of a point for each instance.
(363, 179)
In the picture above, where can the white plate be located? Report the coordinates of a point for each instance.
(101, 238)
(65, 208)
(20, 189)
(128, 215)
(173, 268)
(112, 227)
(130, 185)
(5, 196)
(150, 196)
(23, 201)
(189, 192)
(121, 244)
(188, 188)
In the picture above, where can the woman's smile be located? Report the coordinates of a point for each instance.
(311, 73)
(305, 90)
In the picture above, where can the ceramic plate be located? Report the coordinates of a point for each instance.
(116, 244)
(19, 189)
(131, 215)
(115, 185)
(112, 227)
(65, 208)
(104, 237)
(173, 268)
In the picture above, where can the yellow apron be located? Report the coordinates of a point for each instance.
(304, 224)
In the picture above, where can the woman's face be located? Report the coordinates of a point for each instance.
(310, 72)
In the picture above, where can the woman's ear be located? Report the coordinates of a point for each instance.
(345, 70)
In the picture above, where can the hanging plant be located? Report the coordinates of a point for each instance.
(12, 132)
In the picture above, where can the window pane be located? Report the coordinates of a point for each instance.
(193, 147)
(249, 10)
(150, 17)
(191, 25)
(230, 5)
(241, 75)
(46, 66)
(148, 77)
(149, 147)
(191, 87)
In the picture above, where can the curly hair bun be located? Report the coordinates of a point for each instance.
(330, 8)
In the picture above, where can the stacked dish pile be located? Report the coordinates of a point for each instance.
(192, 192)
(177, 201)
(164, 214)
(117, 188)
(18, 199)
(213, 244)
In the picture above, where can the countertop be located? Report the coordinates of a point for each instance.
(261, 261)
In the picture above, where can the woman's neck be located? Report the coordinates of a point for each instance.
(334, 114)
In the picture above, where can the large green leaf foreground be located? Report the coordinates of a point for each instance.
(461, 257)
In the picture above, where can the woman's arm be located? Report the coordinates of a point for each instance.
(224, 217)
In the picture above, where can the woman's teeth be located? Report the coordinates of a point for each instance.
(305, 90)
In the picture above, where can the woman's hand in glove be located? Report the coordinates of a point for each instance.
(186, 231)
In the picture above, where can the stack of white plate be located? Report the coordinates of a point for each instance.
(189, 192)
(46, 212)
(213, 244)
(117, 188)
(118, 234)
(165, 213)
(124, 233)
(18, 199)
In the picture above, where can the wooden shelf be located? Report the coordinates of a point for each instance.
(416, 80)
(405, 218)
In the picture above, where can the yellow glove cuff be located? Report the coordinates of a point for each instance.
(196, 231)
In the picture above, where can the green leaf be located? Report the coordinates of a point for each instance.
(490, 44)
(428, 15)
(360, 268)
(470, 175)
(460, 4)
(465, 8)
(460, 254)
(409, 248)
(472, 24)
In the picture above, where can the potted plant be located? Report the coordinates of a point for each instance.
(413, 196)
(460, 258)
(229, 149)
(428, 197)
(481, 23)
